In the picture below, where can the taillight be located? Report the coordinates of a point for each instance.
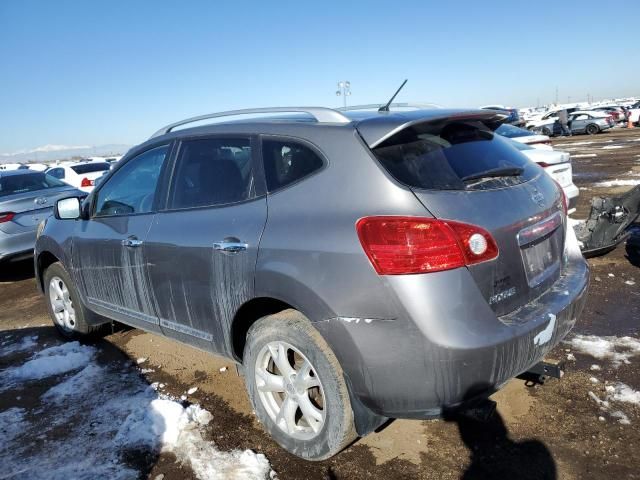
(6, 216)
(408, 245)
(86, 182)
(565, 203)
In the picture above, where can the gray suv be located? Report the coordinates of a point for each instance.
(357, 265)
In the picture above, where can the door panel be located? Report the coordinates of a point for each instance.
(202, 250)
(111, 275)
(198, 288)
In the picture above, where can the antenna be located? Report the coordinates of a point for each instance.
(386, 107)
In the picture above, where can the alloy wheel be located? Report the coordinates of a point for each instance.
(290, 390)
(61, 305)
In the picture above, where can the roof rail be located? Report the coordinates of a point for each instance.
(321, 114)
(372, 106)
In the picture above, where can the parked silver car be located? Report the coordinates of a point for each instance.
(26, 198)
(589, 122)
(358, 265)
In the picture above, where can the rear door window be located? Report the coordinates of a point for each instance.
(459, 155)
(286, 162)
(211, 172)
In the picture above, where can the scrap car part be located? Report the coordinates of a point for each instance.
(608, 222)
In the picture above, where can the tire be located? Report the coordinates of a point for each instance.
(324, 388)
(71, 320)
(546, 131)
(592, 129)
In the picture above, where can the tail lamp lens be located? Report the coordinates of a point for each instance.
(563, 195)
(410, 245)
(6, 216)
(86, 182)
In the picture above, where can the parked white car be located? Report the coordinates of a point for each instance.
(541, 142)
(10, 166)
(79, 175)
(558, 165)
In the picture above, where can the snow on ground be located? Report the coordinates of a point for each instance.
(617, 349)
(96, 420)
(612, 147)
(50, 361)
(617, 393)
(617, 183)
(584, 155)
(9, 347)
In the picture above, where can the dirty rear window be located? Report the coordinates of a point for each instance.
(453, 156)
(90, 168)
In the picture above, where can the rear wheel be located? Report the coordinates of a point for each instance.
(592, 129)
(296, 386)
(546, 131)
(65, 308)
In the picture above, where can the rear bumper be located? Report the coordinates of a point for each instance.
(449, 346)
(19, 245)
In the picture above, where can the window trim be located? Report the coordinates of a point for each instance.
(289, 138)
(159, 191)
(257, 189)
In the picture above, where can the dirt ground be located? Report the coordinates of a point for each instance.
(550, 431)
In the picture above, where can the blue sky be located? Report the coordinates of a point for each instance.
(91, 73)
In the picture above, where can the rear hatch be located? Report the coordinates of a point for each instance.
(460, 170)
(90, 171)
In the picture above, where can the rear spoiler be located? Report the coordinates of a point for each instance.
(379, 128)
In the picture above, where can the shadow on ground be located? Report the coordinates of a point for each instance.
(493, 453)
(16, 271)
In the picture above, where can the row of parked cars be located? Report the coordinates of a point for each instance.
(589, 120)
(357, 265)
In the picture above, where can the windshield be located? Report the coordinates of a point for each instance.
(443, 156)
(28, 182)
(510, 131)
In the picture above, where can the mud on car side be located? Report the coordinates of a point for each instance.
(358, 265)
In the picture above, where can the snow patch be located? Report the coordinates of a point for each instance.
(617, 183)
(12, 424)
(26, 343)
(612, 147)
(109, 413)
(52, 361)
(584, 155)
(617, 349)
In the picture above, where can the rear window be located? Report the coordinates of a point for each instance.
(510, 131)
(29, 182)
(459, 155)
(90, 168)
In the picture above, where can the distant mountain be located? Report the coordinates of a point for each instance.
(49, 153)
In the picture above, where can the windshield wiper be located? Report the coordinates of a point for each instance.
(495, 172)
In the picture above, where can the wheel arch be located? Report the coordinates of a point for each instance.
(43, 261)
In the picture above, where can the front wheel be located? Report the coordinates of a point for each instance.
(66, 310)
(592, 129)
(297, 387)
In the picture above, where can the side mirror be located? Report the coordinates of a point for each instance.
(68, 209)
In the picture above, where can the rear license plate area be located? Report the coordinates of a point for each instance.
(541, 249)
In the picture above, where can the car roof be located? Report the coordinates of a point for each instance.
(374, 126)
(23, 171)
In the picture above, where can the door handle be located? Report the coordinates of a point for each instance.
(230, 246)
(131, 242)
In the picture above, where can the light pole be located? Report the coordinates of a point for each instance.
(344, 90)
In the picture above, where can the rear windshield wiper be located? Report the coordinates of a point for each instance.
(495, 172)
